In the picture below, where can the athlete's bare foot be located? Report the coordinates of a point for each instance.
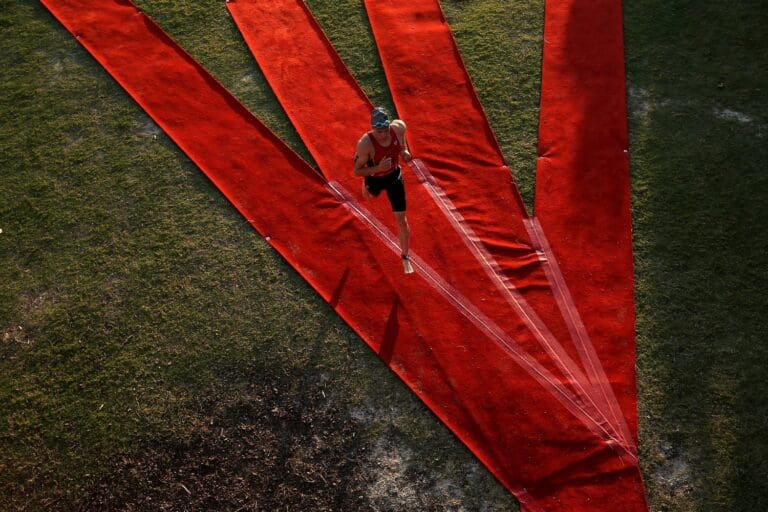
(407, 268)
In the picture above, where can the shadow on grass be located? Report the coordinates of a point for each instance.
(699, 195)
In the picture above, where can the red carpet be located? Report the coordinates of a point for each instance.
(451, 357)
(330, 112)
(433, 92)
(449, 132)
(582, 179)
(525, 423)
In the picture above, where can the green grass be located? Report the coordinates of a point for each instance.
(700, 192)
(138, 310)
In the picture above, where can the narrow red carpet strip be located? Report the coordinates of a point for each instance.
(463, 375)
(432, 90)
(582, 178)
(330, 112)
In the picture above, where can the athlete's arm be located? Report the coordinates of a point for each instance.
(399, 126)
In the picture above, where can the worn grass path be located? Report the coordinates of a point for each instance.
(155, 352)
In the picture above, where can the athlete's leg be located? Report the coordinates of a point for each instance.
(396, 194)
(403, 232)
(366, 192)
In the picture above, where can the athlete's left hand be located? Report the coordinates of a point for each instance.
(406, 155)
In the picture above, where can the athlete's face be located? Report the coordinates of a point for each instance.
(381, 135)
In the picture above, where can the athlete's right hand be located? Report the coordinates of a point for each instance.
(384, 165)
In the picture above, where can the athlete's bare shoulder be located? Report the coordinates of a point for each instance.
(398, 125)
(364, 144)
(364, 148)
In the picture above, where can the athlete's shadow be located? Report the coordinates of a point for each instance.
(334, 300)
(391, 330)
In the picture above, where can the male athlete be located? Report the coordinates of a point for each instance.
(377, 159)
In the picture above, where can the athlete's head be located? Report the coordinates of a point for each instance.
(379, 118)
(380, 124)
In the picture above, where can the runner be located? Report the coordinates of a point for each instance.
(377, 160)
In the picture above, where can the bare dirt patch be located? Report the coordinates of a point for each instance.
(268, 450)
(394, 482)
(264, 451)
(732, 115)
(16, 335)
(34, 301)
(150, 130)
(673, 474)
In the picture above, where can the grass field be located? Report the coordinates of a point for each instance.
(155, 353)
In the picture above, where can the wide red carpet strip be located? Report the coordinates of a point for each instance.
(582, 178)
(433, 92)
(518, 303)
(486, 325)
(487, 398)
(596, 381)
(330, 112)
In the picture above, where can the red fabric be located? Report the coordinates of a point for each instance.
(449, 132)
(539, 450)
(432, 90)
(331, 113)
(470, 382)
(582, 179)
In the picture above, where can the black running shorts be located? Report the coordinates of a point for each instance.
(393, 184)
